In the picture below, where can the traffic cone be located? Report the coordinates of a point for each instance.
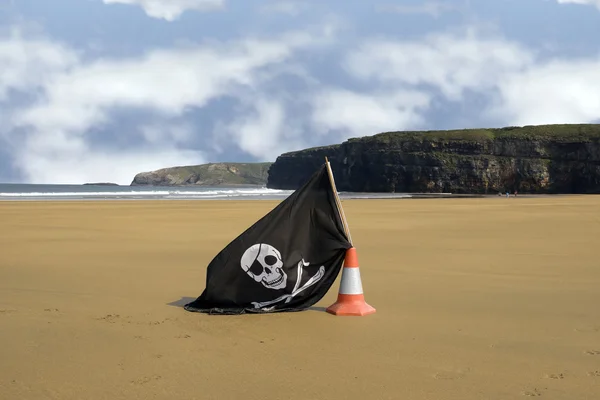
(351, 300)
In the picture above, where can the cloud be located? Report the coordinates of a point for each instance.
(432, 8)
(361, 114)
(449, 62)
(159, 133)
(258, 129)
(517, 85)
(165, 81)
(556, 92)
(79, 163)
(581, 2)
(76, 100)
(293, 8)
(171, 10)
(25, 63)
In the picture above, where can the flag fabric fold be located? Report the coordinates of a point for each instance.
(286, 261)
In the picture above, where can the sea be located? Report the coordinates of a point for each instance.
(33, 192)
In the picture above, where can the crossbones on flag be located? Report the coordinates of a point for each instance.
(286, 261)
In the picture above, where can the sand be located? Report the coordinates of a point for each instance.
(489, 298)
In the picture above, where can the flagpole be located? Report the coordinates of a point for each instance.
(338, 201)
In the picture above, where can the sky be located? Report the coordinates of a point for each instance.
(99, 90)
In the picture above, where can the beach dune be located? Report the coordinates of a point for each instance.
(489, 298)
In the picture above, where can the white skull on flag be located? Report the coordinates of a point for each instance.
(262, 262)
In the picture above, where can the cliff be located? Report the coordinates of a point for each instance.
(530, 159)
(206, 175)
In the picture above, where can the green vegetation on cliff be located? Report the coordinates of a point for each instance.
(563, 133)
(531, 159)
(214, 174)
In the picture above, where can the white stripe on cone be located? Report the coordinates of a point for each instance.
(351, 283)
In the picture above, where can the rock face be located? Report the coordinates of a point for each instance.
(206, 175)
(530, 159)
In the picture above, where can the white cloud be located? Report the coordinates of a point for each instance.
(581, 2)
(259, 132)
(363, 114)
(166, 81)
(171, 10)
(174, 133)
(80, 167)
(521, 87)
(432, 8)
(76, 98)
(25, 63)
(293, 8)
(556, 92)
(451, 63)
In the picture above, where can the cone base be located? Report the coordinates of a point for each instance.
(350, 307)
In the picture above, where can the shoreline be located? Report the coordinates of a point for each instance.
(343, 197)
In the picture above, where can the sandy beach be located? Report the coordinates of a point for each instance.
(489, 298)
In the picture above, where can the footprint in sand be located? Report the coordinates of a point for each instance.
(110, 318)
(153, 323)
(594, 373)
(588, 329)
(51, 309)
(555, 376)
(183, 337)
(146, 379)
(114, 318)
(532, 393)
(592, 352)
(450, 375)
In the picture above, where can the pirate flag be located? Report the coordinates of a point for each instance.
(286, 261)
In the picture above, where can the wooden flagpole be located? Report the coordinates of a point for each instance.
(338, 202)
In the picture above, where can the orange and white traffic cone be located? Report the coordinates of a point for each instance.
(351, 300)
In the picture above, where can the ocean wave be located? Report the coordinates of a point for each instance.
(181, 194)
(71, 194)
(250, 192)
(213, 193)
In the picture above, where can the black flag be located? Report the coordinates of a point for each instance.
(286, 261)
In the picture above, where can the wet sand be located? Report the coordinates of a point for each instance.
(488, 298)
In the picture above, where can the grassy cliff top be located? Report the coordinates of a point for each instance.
(558, 133)
(563, 132)
(317, 149)
(214, 170)
(208, 174)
